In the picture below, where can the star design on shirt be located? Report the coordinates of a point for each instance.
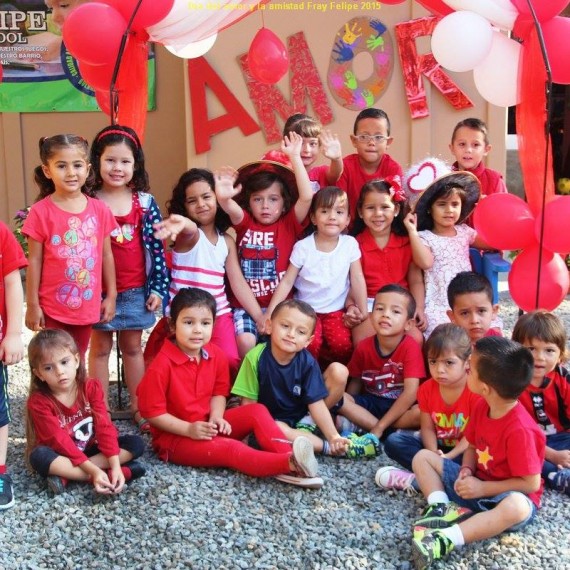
(483, 457)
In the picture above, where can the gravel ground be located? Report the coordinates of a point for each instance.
(177, 517)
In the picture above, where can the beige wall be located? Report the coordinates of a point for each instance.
(169, 137)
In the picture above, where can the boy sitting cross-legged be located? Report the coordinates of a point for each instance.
(498, 486)
(284, 376)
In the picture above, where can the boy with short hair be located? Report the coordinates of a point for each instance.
(371, 138)
(315, 139)
(498, 486)
(386, 368)
(12, 259)
(470, 297)
(284, 376)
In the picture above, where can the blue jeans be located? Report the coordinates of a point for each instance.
(402, 445)
(558, 441)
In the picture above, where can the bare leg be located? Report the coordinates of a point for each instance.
(245, 342)
(357, 414)
(133, 360)
(335, 377)
(428, 468)
(63, 467)
(100, 348)
(291, 434)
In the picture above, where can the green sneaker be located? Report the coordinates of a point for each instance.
(304, 426)
(367, 445)
(428, 546)
(443, 515)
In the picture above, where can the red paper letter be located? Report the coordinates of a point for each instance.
(414, 65)
(304, 81)
(200, 75)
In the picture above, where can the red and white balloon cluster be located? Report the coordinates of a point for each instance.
(523, 230)
(93, 33)
(469, 38)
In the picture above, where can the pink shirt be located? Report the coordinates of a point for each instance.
(72, 267)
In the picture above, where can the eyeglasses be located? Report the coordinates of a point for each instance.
(377, 139)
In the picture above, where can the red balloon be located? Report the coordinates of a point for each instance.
(92, 33)
(504, 221)
(437, 7)
(267, 57)
(554, 280)
(556, 32)
(97, 76)
(103, 99)
(150, 12)
(556, 216)
(544, 9)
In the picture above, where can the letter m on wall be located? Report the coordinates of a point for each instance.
(305, 83)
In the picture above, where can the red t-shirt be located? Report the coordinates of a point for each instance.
(318, 177)
(72, 267)
(12, 258)
(511, 446)
(178, 385)
(353, 177)
(549, 404)
(70, 431)
(384, 375)
(264, 251)
(450, 420)
(387, 265)
(128, 248)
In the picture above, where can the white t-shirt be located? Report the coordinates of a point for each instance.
(324, 277)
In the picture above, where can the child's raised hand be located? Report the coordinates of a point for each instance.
(330, 145)
(202, 430)
(225, 179)
(170, 227)
(292, 144)
(411, 223)
(223, 425)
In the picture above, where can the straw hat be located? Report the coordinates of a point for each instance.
(425, 179)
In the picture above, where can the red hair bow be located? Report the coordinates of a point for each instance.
(396, 191)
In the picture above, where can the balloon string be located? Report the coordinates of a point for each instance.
(113, 93)
(262, 15)
(548, 88)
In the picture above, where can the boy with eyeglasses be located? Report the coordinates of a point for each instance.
(371, 138)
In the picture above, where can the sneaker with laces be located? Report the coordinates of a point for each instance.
(561, 481)
(56, 484)
(6, 492)
(394, 478)
(305, 482)
(428, 546)
(367, 445)
(443, 515)
(304, 457)
(345, 427)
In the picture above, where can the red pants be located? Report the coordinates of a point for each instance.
(80, 333)
(332, 341)
(230, 451)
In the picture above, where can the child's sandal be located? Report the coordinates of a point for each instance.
(141, 423)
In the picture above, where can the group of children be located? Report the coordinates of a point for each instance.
(316, 333)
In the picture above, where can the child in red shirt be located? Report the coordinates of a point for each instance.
(183, 394)
(547, 397)
(69, 432)
(498, 486)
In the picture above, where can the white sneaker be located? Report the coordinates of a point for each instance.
(305, 482)
(394, 478)
(304, 457)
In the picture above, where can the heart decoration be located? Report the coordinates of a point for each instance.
(422, 174)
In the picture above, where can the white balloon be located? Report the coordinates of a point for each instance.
(193, 49)
(500, 13)
(461, 40)
(191, 24)
(497, 77)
